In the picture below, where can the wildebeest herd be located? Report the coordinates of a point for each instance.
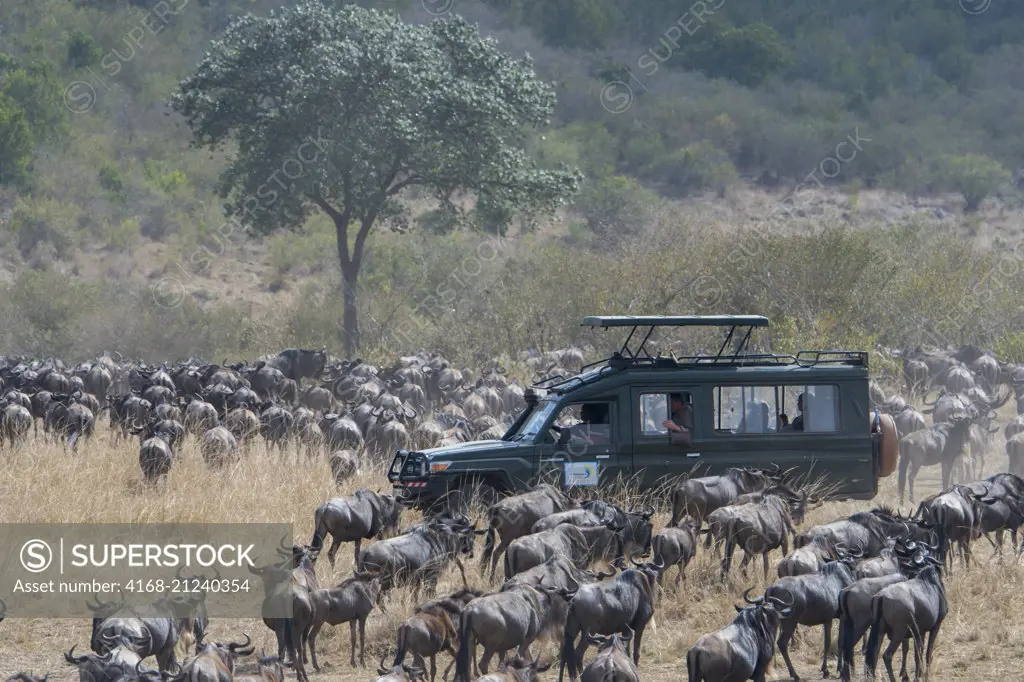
(584, 574)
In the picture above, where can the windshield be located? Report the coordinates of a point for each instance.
(531, 427)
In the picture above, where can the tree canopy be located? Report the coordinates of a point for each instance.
(341, 109)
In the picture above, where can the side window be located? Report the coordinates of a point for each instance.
(589, 422)
(775, 409)
(653, 413)
(746, 409)
(656, 409)
(821, 409)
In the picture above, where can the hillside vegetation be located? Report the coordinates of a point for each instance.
(111, 233)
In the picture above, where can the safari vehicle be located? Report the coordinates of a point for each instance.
(737, 401)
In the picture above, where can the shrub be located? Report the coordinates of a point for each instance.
(82, 50)
(973, 175)
(694, 168)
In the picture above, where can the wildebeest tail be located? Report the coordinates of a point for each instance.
(464, 659)
(874, 636)
(401, 645)
(693, 665)
(72, 439)
(568, 650)
(321, 529)
(846, 626)
(488, 542)
(940, 530)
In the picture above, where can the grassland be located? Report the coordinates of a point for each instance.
(982, 639)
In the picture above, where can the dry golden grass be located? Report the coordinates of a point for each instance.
(982, 638)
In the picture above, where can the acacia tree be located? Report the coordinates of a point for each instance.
(340, 109)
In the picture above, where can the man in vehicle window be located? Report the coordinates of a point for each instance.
(680, 422)
(798, 421)
(594, 426)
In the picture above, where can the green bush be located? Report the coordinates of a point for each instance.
(973, 175)
(616, 206)
(82, 50)
(15, 142)
(748, 55)
(695, 168)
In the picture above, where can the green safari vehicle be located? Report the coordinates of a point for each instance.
(616, 420)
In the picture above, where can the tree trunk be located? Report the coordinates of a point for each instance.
(350, 280)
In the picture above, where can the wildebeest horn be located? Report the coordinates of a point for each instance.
(75, 660)
(234, 646)
(755, 602)
(381, 670)
(781, 604)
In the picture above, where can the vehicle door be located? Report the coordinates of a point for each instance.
(656, 460)
(577, 453)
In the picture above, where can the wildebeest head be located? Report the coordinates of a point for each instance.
(27, 677)
(765, 615)
(399, 673)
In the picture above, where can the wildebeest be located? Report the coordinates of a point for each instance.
(144, 636)
(912, 608)
(218, 446)
(298, 363)
(855, 606)
(114, 665)
(348, 602)
(215, 662)
(756, 528)
(581, 545)
(698, 497)
(516, 669)
(741, 650)
(612, 662)
(155, 453)
(513, 517)
(956, 516)
(941, 443)
(864, 533)
(269, 669)
(607, 607)
(675, 546)
(432, 629)
(814, 601)
(360, 516)
(510, 619)
(419, 555)
(293, 581)
(398, 673)
(808, 559)
(344, 465)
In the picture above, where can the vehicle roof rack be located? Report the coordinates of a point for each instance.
(627, 357)
(654, 321)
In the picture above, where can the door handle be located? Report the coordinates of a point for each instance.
(601, 456)
(554, 459)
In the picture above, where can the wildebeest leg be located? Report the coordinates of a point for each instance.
(636, 644)
(887, 656)
(485, 660)
(352, 633)
(362, 642)
(447, 670)
(333, 551)
(915, 467)
(311, 642)
(433, 666)
(932, 634)
(727, 559)
(903, 668)
(785, 635)
(744, 562)
(764, 557)
(498, 551)
(828, 645)
(462, 572)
